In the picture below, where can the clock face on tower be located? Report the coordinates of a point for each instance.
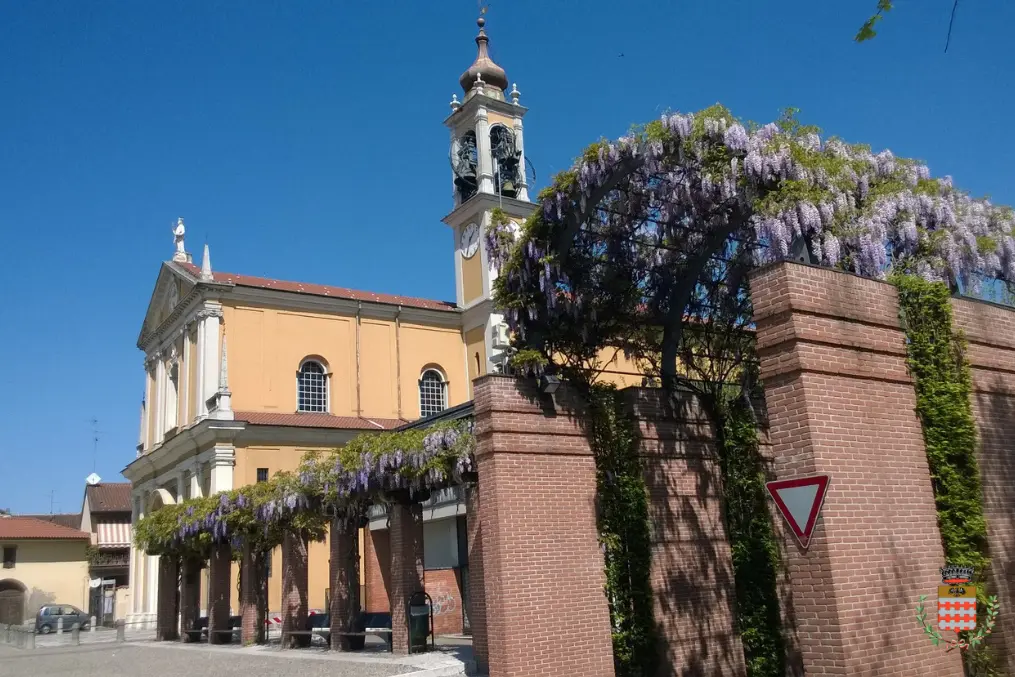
(470, 240)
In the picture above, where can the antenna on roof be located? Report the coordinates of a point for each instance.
(95, 442)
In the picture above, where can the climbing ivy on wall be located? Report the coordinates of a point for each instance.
(624, 533)
(753, 545)
(936, 355)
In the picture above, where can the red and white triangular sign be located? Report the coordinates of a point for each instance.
(799, 500)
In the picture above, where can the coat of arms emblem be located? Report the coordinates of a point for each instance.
(956, 610)
(956, 599)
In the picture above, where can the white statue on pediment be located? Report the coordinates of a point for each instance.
(178, 233)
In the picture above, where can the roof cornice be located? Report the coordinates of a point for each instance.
(276, 298)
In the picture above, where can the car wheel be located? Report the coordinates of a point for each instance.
(45, 629)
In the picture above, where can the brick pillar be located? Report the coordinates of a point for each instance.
(294, 589)
(344, 583)
(406, 567)
(990, 331)
(219, 570)
(190, 596)
(477, 599)
(543, 577)
(250, 581)
(166, 607)
(841, 402)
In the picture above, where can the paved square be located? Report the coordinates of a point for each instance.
(133, 659)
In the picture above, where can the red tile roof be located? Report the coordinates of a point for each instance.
(23, 528)
(317, 421)
(67, 519)
(108, 497)
(322, 290)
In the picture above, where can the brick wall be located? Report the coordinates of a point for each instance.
(219, 589)
(377, 570)
(692, 573)
(543, 571)
(445, 589)
(990, 332)
(841, 402)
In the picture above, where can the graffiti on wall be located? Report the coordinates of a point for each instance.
(445, 601)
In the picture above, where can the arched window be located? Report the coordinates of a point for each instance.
(312, 387)
(433, 393)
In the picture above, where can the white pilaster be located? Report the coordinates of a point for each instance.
(135, 572)
(210, 367)
(195, 481)
(222, 462)
(159, 401)
(152, 584)
(523, 187)
(485, 178)
(200, 409)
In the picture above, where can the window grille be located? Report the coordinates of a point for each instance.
(433, 393)
(312, 388)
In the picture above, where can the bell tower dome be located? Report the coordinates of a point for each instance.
(488, 173)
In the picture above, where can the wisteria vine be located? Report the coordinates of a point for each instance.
(370, 468)
(640, 217)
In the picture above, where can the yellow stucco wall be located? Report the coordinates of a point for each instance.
(424, 347)
(266, 347)
(494, 117)
(472, 278)
(53, 572)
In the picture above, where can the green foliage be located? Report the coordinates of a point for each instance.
(937, 362)
(867, 31)
(624, 534)
(753, 545)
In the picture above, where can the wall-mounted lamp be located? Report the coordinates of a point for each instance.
(548, 384)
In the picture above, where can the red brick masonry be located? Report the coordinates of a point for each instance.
(841, 402)
(546, 613)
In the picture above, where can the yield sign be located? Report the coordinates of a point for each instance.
(799, 501)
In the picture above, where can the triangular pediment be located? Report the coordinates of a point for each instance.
(171, 287)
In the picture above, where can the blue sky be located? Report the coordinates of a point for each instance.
(303, 140)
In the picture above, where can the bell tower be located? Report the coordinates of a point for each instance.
(488, 172)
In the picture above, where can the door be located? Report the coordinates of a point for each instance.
(12, 606)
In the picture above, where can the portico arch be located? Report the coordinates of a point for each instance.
(158, 498)
(12, 601)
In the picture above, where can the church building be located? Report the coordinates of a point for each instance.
(244, 375)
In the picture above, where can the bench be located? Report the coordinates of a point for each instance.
(200, 629)
(373, 624)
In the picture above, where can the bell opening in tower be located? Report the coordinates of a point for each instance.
(506, 160)
(464, 160)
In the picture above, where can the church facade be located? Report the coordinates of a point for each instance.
(244, 375)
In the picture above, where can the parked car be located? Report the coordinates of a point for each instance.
(47, 619)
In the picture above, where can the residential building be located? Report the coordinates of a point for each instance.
(42, 563)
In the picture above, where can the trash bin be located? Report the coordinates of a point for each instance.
(419, 622)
